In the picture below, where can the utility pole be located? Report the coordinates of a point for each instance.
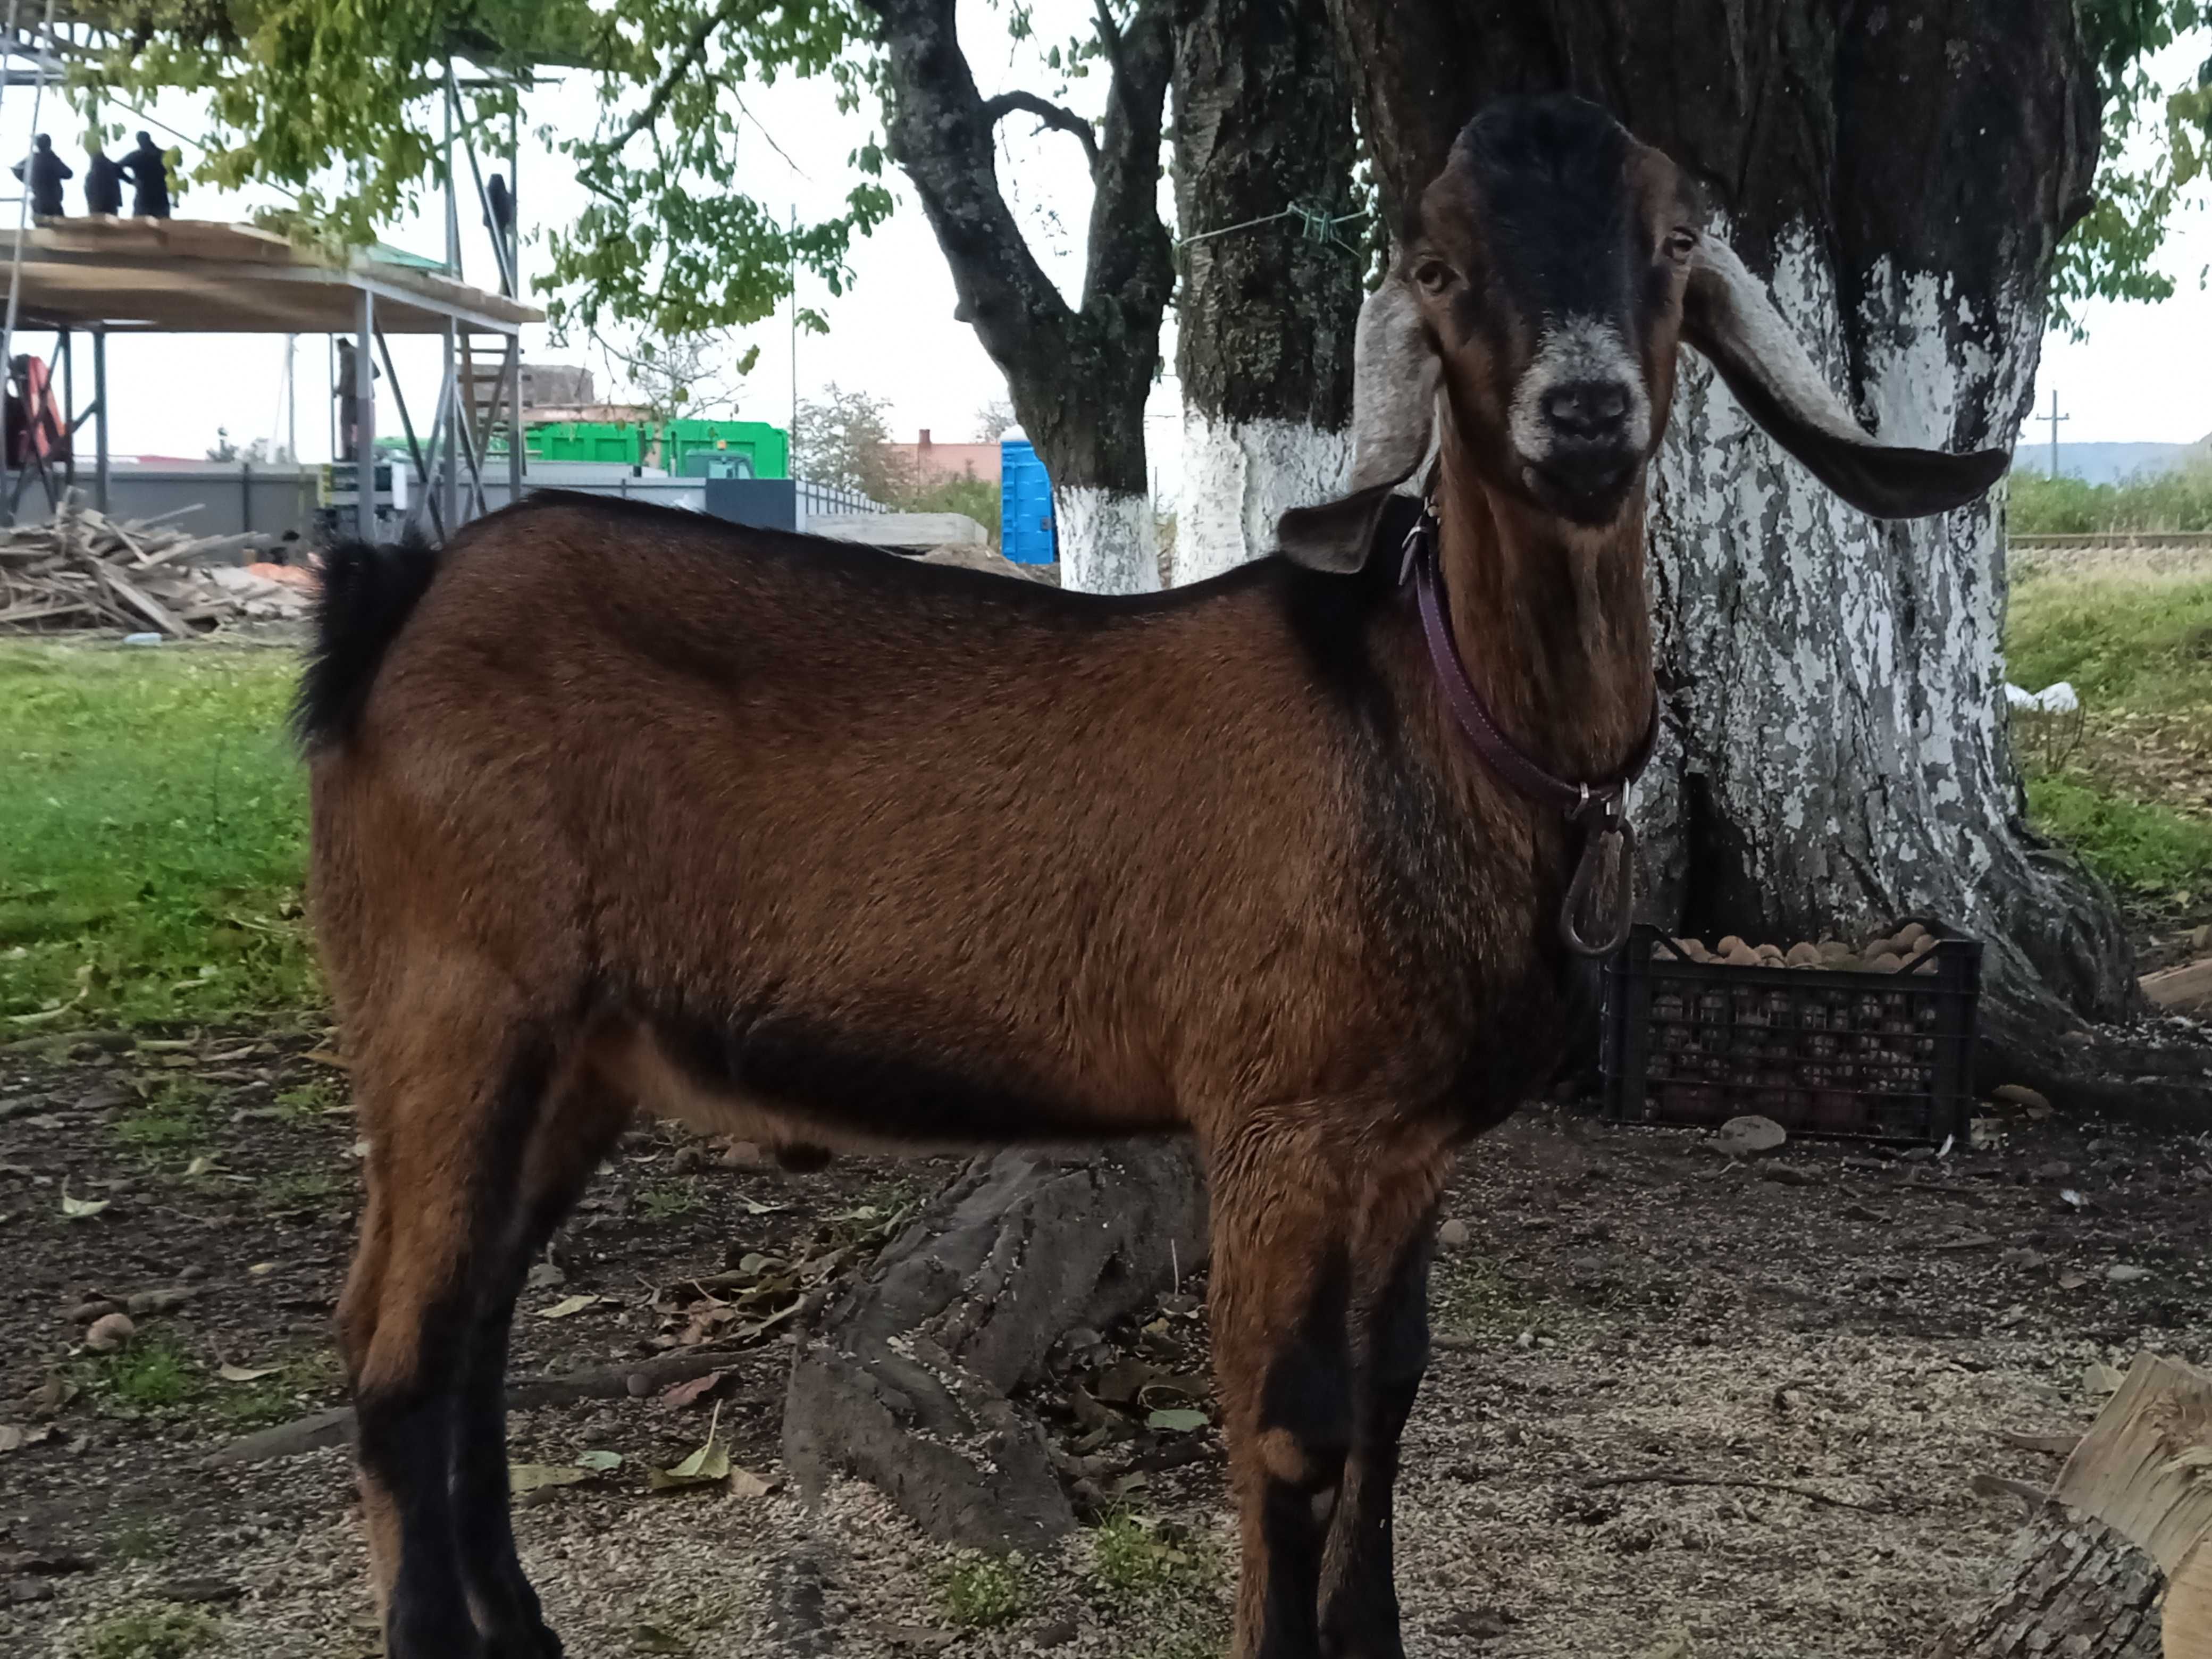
(2054, 418)
(791, 279)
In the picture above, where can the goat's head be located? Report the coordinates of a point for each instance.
(1542, 284)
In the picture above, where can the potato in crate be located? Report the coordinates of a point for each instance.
(1875, 1041)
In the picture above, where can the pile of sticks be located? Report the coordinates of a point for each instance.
(83, 569)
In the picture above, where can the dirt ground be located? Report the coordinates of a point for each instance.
(1681, 1405)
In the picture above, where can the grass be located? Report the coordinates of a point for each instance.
(2145, 645)
(308, 1189)
(154, 829)
(2135, 798)
(298, 1382)
(159, 1630)
(667, 1203)
(175, 1115)
(2148, 852)
(1132, 1556)
(982, 1592)
(149, 1377)
(2177, 498)
(144, 1539)
(308, 1101)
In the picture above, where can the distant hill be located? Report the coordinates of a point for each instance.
(2105, 463)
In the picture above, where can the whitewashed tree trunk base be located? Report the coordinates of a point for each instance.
(1108, 543)
(1237, 479)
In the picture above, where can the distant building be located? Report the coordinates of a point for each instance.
(546, 385)
(928, 462)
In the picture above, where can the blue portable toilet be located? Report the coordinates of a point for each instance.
(1026, 532)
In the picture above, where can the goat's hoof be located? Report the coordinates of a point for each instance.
(534, 1643)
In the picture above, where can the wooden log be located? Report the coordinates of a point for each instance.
(2129, 1521)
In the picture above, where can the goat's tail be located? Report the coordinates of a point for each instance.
(368, 592)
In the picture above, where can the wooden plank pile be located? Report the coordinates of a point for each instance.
(83, 569)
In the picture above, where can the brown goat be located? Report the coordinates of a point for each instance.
(615, 808)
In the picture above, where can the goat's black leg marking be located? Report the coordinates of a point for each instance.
(569, 1139)
(1358, 1594)
(1307, 1418)
(406, 1439)
(506, 1607)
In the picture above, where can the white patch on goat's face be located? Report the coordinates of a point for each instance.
(1580, 348)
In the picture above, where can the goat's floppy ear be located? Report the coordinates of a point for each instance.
(1340, 535)
(1727, 315)
(1394, 376)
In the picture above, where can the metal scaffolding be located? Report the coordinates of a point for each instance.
(103, 276)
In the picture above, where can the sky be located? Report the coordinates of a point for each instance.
(893, 332)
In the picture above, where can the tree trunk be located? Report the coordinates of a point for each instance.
(2075, 1587)
(1079, 376)
(907, 1383)
(1266, 312)
(1833, 748)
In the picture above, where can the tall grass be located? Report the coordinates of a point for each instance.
(2179, 498)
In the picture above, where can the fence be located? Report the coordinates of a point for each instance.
(817, 500)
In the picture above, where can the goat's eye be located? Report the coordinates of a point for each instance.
(1681, 243)
(1434, 274)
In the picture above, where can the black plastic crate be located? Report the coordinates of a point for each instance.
(1822, 1051)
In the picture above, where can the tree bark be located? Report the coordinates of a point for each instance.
(2076, 1587)
(906, 1384)
(1078, 375)
(1901, 175)
(1271, 258)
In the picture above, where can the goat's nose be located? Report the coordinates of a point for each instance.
(1587, 410)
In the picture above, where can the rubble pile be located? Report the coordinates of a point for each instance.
(82, 569)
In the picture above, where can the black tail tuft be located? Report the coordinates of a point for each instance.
(369, 590)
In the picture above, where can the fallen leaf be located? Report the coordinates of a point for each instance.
(654, 1638)
(2121, 1273)
(2072, 1281)
(2098, 1378)
(529, 1477)
(199, 1166)
(744, 1483)
(545, 1276)
(83, 1209)
(754, 1207)
(230, 1373)
(694, 1391)
(710, 1464)
(600, 1461)
(262, 1269)
(568, 1305)
(1675, 1645)
(1176, 1422)
(109, 1332)
(2068, 1195)
(12, 1437)
(325, 1057)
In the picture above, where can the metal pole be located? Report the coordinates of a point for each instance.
(292, 399)
(364, 396)
(452, 201)
(100, 402)
(448, 463)
(513, 418)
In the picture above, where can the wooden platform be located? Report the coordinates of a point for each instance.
(196, 275)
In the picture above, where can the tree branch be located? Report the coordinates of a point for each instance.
(694, 50)
(1055, 116)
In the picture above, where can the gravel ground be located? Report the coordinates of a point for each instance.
(1681, 1406)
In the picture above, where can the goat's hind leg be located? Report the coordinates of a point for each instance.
(448, 1105)
(580, 1121)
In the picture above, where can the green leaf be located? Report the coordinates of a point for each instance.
(1177, 1421)
(598, 1462)
(529, 1477)
(710, 1464)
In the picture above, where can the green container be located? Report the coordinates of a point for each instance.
(688, 448)
(587, 441)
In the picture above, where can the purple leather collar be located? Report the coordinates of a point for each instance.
(1595, 805)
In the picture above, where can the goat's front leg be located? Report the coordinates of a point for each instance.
(1390, 1352)
(1282, 1288)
